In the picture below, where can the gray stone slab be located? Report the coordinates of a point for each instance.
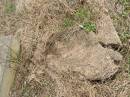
(5, 42)
(8, 45)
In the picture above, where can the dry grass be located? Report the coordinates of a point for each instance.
(35, 22)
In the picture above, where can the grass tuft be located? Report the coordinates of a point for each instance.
(68, 22)
(124, 36)
(89, 27)
(126, 5)
(9, 7)
(82, 14)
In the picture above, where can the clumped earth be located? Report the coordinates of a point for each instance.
(76, 48)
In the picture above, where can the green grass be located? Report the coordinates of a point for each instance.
(89, 27)
(124, 1)
(126, 12)
(9, 7)
(124, 36)
(68, 22)
(126, 5)
(82, 14)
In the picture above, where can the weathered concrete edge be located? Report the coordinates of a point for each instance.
(9, 73)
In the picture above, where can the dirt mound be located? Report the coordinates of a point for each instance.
(66, 62)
